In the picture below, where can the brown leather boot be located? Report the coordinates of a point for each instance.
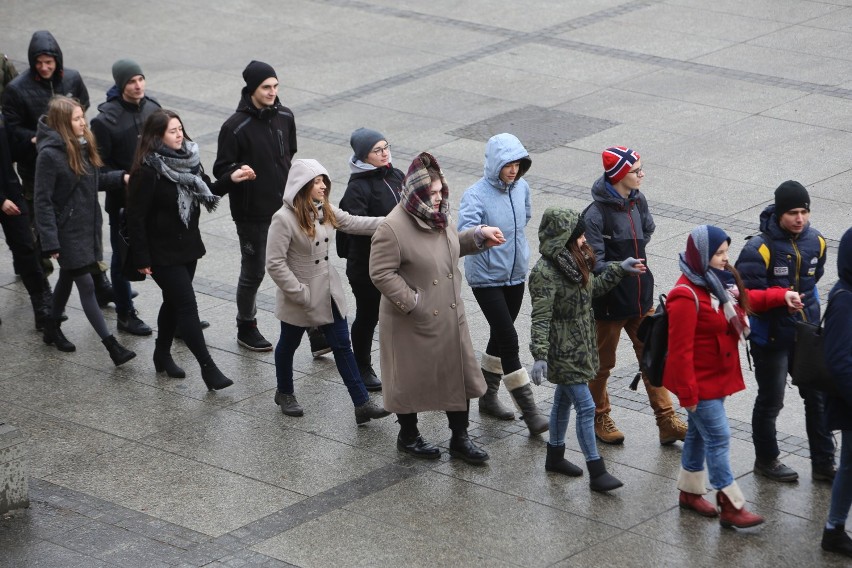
(606, 431)
(732, 509)
(672, 429)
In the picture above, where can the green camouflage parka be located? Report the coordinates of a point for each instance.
(563, 324)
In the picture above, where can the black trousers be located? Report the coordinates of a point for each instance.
(457, 420)
(500, 305)
(367, 299)
(179, 309)
(25, 259)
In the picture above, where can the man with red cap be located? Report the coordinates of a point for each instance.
(619, 225)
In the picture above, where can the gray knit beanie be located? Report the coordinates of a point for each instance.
(124, 70)
(363, 140)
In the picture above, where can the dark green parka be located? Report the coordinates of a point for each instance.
(563, 323)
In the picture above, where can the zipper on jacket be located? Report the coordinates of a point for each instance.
(796, 283)
(515, 236)
(636, 252)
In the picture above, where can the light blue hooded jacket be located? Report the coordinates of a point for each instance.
(492, 202)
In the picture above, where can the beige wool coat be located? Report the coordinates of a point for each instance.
(307, 283)
(427, 356)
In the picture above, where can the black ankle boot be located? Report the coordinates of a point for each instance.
(557, 463)
(601, 480)
(53, 336)
(213, 377)
(103, 289)
(416, 446)
(836, 540)
(462, 447)
(117, 352)
(163, 362)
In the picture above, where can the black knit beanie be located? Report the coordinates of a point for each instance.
(578, 230)
(256, 73)
(791, 195)
(123, 71)
(363, 140)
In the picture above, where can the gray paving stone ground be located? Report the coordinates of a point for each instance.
(724, 100)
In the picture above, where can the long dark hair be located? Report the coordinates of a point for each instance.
(585, 258)
(306, 211)
(152, 135)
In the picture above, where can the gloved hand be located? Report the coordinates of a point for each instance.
(539, 372)
(633, 266)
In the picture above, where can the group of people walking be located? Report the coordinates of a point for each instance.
(402, 248)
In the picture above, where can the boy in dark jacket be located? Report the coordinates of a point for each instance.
(619, 225)
(789, 253)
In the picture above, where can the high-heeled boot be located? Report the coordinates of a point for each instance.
(117, 352)
(213, 377)
(163, 360)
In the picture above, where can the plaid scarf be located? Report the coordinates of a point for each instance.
(182, 167)
(415, 192)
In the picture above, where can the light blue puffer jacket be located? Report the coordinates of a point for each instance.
(492, 202)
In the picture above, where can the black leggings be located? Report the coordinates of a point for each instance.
(500, 305)
(367, 299)
(179, 309)
(86, 288)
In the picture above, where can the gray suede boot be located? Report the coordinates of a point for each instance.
(489, 403)
(518, 383)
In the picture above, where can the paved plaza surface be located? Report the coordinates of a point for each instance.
(723, 99)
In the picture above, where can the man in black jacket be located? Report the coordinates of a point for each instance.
(16, 226)
(261, 134)
(117, 129)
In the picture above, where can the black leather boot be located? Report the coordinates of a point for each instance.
(117, 352)
(213, 377)
(53, 336)
(418, 447)
(462, 447)
(557, 463)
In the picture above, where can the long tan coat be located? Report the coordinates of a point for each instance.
(298, 264)
(427, 357)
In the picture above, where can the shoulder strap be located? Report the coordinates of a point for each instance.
(828, 305)
(694, 295)
(606, 229)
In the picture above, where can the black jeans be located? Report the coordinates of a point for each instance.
(500, 305)
(367, 299)
(179, 309)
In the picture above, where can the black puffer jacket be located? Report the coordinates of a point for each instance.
(67, 211)
(617, 228)
(264, 139)
(25, 98)
(117, 129)
(371, 192)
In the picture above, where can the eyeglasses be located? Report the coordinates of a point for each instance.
(380, 150)
(637, 171)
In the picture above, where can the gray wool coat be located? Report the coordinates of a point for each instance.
(67, 211)
(298, 264)
(427, 356)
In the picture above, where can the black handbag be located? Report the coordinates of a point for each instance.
(127, 269)
(809, 368)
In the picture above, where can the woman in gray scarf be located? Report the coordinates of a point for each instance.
(166, 191)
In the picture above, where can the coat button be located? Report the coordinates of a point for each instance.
(450, 276)
(317, 243)
(316, 261)
(326, 239)
(398, 303)
(453, 306)
(434, 282)
(326, 258)
(435, 312)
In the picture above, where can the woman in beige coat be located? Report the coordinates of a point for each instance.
(427, 357)
(310, 293)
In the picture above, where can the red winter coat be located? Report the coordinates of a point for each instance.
(703, 362)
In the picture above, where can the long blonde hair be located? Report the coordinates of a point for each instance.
(59, 112)
(307, 212)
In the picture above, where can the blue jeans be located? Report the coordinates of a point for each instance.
(337, 336)
(708, 438)
(581, 398)
(770, 371)
(252, 237)
(120, 284)
(841, 490)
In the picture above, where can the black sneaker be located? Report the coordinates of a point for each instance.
(775, 470)
(130, 323)
(249, 337)
(836, 540)
(319, 346)
(823, 472)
